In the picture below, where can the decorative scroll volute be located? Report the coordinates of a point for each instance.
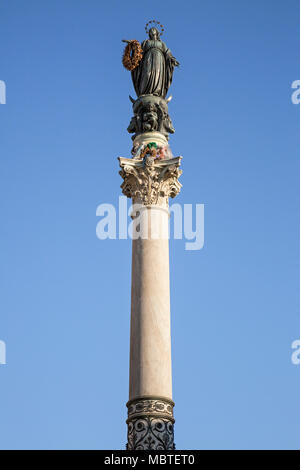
(150, 182)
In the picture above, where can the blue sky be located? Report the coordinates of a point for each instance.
(65, 300)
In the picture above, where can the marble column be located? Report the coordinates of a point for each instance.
(150, 182)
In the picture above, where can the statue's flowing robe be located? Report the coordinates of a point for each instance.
(153, 75)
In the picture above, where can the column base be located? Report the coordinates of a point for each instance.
(150, 424)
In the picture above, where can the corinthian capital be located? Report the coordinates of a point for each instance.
(150, 181)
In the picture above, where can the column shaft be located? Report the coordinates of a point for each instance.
(150, 336)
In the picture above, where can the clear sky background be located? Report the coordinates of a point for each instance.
(65, 295)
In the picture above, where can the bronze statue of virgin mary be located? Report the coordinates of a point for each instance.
(152, 65)
(154, 72)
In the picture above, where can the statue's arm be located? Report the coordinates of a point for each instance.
(170, 56)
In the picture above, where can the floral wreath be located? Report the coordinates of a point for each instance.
(132, 55)
(153, 150)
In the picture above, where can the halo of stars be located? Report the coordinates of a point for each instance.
(155, 23)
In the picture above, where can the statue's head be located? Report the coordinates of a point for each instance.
(154, 33)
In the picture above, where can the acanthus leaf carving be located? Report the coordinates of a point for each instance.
(150, 181)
